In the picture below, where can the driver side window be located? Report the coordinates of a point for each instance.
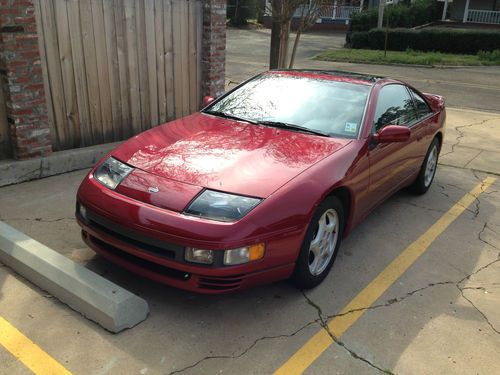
(394, 107)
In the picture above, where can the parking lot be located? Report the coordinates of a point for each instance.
(415, 288)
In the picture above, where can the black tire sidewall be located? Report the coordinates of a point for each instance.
(419, 186)
(302, 276)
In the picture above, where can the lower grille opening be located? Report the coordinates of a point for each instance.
(136, 243)
(146, 264)
(221, 283)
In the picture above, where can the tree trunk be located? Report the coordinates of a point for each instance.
(295, 45)
(274, 53)
(285, 36)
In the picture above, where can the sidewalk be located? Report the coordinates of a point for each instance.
(472, 140)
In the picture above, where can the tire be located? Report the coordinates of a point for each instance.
(427, 170)
(330, 215)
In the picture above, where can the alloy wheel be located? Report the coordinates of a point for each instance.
(322, 246)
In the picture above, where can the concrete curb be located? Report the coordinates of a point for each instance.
(16, 171)
(317, 58)
(96, 298)
(485, 112)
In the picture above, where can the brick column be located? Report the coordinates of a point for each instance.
(22, 81)
(213, 58)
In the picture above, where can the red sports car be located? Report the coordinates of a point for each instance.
(264, 182)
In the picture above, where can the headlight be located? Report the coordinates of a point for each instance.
(112, 172)
(221, 206)
(82, 211)
(244, 254)
(199, 255)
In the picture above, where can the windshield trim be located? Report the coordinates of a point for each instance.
(365, 112)
(216, 100)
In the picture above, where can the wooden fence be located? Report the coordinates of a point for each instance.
(113, 68)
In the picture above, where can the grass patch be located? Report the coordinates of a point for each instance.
(410, 57)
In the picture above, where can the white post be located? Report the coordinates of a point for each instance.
(445, 8)
(361, 5)
(335, 9)
(381, 6)
(466, 11)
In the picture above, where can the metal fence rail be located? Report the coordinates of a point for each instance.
(332, 12)
(483, 16)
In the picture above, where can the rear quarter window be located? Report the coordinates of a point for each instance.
(421, 105)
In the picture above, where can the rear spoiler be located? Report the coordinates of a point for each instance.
(437, 102)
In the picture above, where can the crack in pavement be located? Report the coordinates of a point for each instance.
(246, 350)
(399, 299)
(477, 201)
(392, 301)
(461, 134)
(485, 226)
(479, 311)
(354, 354)
(323, 321)
(461, 289)
(38, 219)
(413, 204)
(324, 325)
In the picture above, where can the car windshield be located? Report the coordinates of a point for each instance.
(321, 106)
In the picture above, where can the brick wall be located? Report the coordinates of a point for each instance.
(22, 81)
(213, 59)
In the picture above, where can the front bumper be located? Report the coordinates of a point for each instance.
(116, 229)
(159, 268)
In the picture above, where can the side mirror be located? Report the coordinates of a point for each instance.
(392, 133)
(207, 100)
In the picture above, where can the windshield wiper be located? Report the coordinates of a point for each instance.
(228, 116)
(284, 125)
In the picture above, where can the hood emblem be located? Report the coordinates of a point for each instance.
(153, 189)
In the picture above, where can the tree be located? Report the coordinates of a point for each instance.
(309, 13)
(282, 12)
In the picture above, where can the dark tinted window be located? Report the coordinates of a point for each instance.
(394, 107)
(423, 108)
(332, 107)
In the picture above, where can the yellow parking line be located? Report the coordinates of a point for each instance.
(27, 351)
(307, 354)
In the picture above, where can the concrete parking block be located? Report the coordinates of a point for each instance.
(96, 298)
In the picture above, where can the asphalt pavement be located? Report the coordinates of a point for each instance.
(415, 288)
(467, 87)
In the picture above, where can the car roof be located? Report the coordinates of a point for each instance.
(334, 75)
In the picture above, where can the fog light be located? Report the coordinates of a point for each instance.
(199, 255)
(244, 254)
(82, 211)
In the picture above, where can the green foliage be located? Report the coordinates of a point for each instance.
(240, 11)
(425, 11)
(409, 57)
(365, 20)
(429, 39)
(491, 56)
(418, 13)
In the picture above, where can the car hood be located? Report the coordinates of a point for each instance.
(226, 155)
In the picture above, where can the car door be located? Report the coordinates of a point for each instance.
(421, 127)
(391, 164)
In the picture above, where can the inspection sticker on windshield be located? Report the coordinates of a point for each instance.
(351, 127)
